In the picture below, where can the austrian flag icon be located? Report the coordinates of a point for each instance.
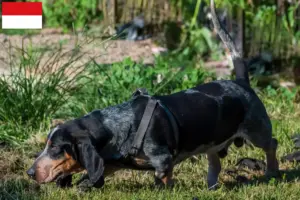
(22, 15)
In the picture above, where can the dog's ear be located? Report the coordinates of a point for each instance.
(93, 163)
(89, 158)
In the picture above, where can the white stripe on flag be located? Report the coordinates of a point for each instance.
(21, 22)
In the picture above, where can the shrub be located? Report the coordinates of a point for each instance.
(107, 85)
(70, 13)
(39, 83)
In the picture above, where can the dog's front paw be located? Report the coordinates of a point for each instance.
(84, 186)
(100, 183)
(83, 189)
(161, 185)
(65, 182)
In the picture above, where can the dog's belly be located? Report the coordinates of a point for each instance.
(205, 148)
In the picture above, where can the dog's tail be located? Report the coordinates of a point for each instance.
(240, 68)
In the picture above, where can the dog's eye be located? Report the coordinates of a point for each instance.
(54, 148)
(55, 152)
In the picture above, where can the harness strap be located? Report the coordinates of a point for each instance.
(139, 136)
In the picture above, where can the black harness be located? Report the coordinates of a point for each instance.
(148, 113)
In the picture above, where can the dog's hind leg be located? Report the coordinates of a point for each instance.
(214, 168)
(272, 163)
(261, 137)
(270, 148)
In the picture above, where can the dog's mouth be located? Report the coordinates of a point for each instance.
(55, 178)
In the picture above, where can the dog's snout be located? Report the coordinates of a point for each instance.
(31, 172)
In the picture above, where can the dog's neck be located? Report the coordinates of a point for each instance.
(119, 122)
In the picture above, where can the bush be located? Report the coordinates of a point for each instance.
(36, 88)
(71, 13)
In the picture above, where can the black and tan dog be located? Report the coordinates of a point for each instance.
(207, 120)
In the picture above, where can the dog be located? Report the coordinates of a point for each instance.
(158, 132)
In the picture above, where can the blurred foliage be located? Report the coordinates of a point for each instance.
(261, 22)
(106, 85)
(265, 30)
(69, 14)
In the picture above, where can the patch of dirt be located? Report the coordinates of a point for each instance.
(106, 52)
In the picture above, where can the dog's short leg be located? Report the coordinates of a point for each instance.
(164, 178)
(272, 163)
(64, 182)
(163, 170)
(222, 153)
(214, 168)
(84, 184)
(265, 141)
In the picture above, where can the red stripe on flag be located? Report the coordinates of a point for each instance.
(22, 8)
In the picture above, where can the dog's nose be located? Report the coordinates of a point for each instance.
(31, 172)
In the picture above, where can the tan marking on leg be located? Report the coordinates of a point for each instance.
(141, 161)
(168, 180)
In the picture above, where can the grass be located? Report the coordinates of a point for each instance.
(190, 177)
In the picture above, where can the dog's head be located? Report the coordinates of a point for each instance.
(69, 149)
